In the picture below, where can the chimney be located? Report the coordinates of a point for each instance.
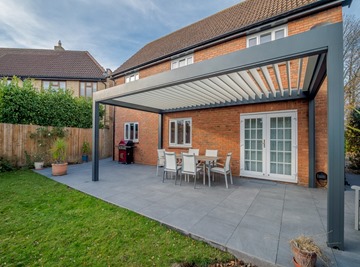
(59, 47)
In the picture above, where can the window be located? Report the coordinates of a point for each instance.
(182, 62)
(56, 85)
(267, 36)
(180, 132)
(8, 82)
(131, 131)
(132, 77)
(87, 88)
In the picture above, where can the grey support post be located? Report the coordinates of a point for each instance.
(336, 161)
(95, 142)
(312, 155)
(160, 131)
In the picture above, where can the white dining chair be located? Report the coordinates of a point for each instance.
(160, 160)
(171, 164)
(225, 170)
(194, 151)
(211, 153)
(189, 167)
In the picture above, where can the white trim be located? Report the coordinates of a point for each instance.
(127, 134)
(266, 116)
(182, 61)
(176, 144)
(132, 77)
(271, 31)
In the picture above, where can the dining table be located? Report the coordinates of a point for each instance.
(206, 162)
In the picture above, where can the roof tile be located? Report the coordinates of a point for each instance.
(229, 20)
(43, 63)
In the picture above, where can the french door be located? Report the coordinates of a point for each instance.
(268, 146)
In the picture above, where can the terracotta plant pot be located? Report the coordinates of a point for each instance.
(59, 169)
(303, 259)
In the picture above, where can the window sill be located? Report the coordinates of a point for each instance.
(180, 146)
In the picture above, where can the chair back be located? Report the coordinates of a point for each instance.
(188, 164)
(212, 153)
(161, 157)
(194, 151)
(227, 162)
(170, 161)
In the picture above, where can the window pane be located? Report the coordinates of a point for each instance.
(136, 137)
(189, 61)
(172, 132)
(62, 85)
(252, 42)
(265, 38)
(94, 87)
(279, 34)
(131, 135)
(137, 76)
(88, 91)
(126, 135)
(127, 79)
(187, 132)
(182, 63)
(174, 65)
(132, 78)
(180, 132)
(46, 84)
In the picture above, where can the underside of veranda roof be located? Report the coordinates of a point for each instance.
(285, 69)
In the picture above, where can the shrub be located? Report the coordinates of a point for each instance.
(26, 105)
(5, 165)
(353, 139)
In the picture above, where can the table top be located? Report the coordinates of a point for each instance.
(202, 157)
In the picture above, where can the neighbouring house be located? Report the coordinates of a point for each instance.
(77, 71)
(261, 79)
(57, 68)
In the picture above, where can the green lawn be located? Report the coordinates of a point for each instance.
(44, 223)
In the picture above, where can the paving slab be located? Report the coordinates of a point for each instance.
(253, 219)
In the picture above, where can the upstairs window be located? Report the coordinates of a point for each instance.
(180, 131)
(56, 85)
(131, 131)
(182, 62)
(87, 88)
(266, 36)
(132, 77)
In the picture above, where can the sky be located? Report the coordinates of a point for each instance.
(111, 30)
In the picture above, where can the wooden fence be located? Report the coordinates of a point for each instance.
(15, 140)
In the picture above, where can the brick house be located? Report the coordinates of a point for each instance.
(58, 68)
(256, 79)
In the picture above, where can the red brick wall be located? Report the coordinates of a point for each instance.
(220, 128)
(145, 151)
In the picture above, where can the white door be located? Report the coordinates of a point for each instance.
(268, 146)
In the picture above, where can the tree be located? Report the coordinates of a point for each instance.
(351, 63)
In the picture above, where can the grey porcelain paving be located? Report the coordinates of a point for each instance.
(253, 219)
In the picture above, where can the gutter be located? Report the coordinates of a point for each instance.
(247, 30)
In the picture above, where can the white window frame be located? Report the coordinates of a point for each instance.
(55, 85)
(272, 31)
(176, 143)
(84, 85)
(127, 135)
(188, 60)
(132, 77)
(266, 155)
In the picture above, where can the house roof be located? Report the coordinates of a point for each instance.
(232, 20)
(49, 64)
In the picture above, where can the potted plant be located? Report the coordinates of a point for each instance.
(39, 161)
(85, 149)
(58, 153)
(305, 251)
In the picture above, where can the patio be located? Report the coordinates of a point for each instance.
(253, 219)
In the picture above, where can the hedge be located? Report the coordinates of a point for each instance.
(27, 105)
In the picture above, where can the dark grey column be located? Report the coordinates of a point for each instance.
(312, 155)
(95, 141)
(336, 161)
(160, 131)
